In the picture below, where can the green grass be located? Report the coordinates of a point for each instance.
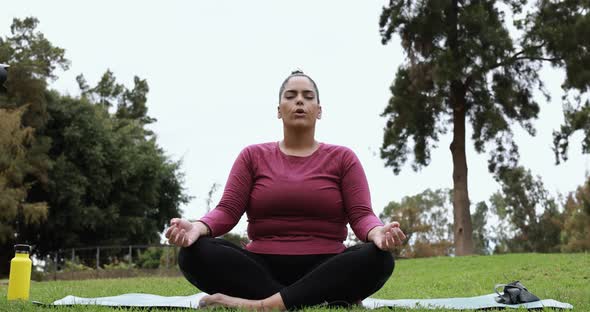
(564, 277)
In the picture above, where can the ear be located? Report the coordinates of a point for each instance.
(279, 113)
(320, 113)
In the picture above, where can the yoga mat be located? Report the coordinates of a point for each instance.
(468, 303)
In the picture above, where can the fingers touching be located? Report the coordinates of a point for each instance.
(391, 236)
(176, 234)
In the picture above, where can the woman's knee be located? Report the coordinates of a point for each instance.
(191, 256)
(381, 259)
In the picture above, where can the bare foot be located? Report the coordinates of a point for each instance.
(221, 300)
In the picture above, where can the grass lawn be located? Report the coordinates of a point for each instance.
(563, 277)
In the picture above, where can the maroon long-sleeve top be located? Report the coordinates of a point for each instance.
(295, 205)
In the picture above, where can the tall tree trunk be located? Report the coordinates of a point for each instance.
(462, 226)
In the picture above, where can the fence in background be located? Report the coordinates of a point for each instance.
(108, 261)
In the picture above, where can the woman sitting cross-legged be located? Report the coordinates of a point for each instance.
(298, 195)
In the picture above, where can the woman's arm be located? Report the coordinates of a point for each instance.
(235, 197)
(356, 197)
(357, 201)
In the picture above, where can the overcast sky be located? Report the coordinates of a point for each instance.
(214, 69)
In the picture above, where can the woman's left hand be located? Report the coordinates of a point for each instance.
(387, 237)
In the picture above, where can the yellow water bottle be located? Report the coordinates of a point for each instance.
(19, 281)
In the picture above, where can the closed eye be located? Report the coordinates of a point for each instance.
(290, 94)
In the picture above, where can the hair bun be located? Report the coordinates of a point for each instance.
(297, 72)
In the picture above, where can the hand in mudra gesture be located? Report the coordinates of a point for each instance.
(387, 237)
(184, 233)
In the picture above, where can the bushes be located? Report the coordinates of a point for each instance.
(150, 258)
(154, 258)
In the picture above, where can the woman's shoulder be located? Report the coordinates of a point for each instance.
(261, 147)
(342, 154)
(334, 148)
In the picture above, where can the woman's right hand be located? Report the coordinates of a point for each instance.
(184, 233)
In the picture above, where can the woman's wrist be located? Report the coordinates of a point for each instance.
(371, 233)
(204, 229)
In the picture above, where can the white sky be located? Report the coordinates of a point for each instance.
(214, 69)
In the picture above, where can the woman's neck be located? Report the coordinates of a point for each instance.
(299, 143)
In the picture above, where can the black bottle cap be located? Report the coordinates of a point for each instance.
(22, 248)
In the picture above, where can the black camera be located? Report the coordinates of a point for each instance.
(3, 77)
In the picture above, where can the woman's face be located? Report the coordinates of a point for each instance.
(299, 105)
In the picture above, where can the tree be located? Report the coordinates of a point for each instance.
(519, 202)
(576, 229)
(423, 218)
(33, 60)
(99, 177)
(575, 119)
(131, 103)
(209, 200)
(481, 241)
(15, 212)
(110, 183)
(464, 64)
(564, 28)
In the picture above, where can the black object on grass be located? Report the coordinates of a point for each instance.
(514, 293)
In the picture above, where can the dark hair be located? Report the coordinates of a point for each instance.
(298, 73)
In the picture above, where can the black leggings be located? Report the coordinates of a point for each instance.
(217, 266)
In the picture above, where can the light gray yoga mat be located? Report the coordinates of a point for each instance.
(469, 303)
